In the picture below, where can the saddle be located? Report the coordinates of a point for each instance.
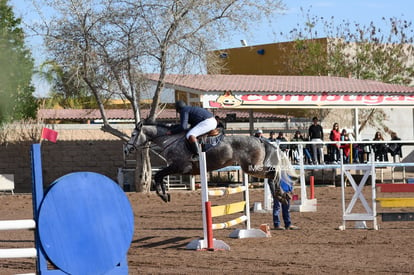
(210, 139)
(214, 132)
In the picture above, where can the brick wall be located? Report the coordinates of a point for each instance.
(61, 158)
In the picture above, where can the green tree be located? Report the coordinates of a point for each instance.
(355, 50)
(16, 92)
(67, 91)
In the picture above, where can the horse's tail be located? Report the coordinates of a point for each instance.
(287, 172)
(280, 163)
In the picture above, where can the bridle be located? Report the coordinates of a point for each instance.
(131, 142)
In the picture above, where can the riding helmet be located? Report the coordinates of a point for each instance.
(179, 105)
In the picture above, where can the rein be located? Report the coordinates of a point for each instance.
(144, 145)
(171, 143)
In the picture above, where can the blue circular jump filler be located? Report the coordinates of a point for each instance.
(85, 223)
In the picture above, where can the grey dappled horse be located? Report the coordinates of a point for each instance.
(256, 157)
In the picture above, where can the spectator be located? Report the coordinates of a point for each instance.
(316, 135)
(366, 151)
(335, 135)
(281, 138)
(272, 136)
(357, 150)
(259, 134)
(219, 123)
(380, 149)
(395, 148)
(277, 204)
(346, 147)
(295, 149)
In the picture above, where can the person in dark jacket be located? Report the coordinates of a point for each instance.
(295, 149)
(272, 136)
(316, 134)
(380, 149)
(219, 123)
(395, 148)
(195, 119)
(281, 138)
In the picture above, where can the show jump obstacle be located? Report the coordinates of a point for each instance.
(369, 209)
(397, 201)
(84, 224)
(208, 212)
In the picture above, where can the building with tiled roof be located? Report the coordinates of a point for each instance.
(127, 116)
(201, 84)
(274, 91)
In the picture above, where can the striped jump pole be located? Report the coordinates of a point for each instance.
(236, 207)
(208, 243)
(208, 212)
(398, 202)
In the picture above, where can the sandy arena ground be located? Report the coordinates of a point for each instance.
(162, 232)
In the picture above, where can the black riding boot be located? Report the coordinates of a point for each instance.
(194, 150)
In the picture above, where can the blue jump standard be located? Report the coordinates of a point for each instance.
(84, 223)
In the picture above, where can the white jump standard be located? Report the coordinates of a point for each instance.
(208, 243)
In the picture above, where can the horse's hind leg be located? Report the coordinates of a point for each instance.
(159, 183)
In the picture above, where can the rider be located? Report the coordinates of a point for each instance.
(201, 121)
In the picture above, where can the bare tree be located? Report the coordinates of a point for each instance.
(108, 45)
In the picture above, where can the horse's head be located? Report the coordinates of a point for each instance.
(137, 139)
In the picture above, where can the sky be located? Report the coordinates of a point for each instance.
(361, 11)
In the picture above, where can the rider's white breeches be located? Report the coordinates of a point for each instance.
(202, 127)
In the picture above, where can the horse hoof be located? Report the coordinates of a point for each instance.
(165, 198)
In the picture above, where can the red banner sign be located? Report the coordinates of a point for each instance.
(228, 100)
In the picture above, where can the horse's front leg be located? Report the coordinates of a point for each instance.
(159, 183)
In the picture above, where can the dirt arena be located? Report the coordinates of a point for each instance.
(162, 232)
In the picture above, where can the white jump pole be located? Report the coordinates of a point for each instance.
(247, 200)
(18, 253)
(304, 204)
(204, 195)
(17, 224)
(267, 197)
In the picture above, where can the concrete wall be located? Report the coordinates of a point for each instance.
(61, 158)
(87, 148)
